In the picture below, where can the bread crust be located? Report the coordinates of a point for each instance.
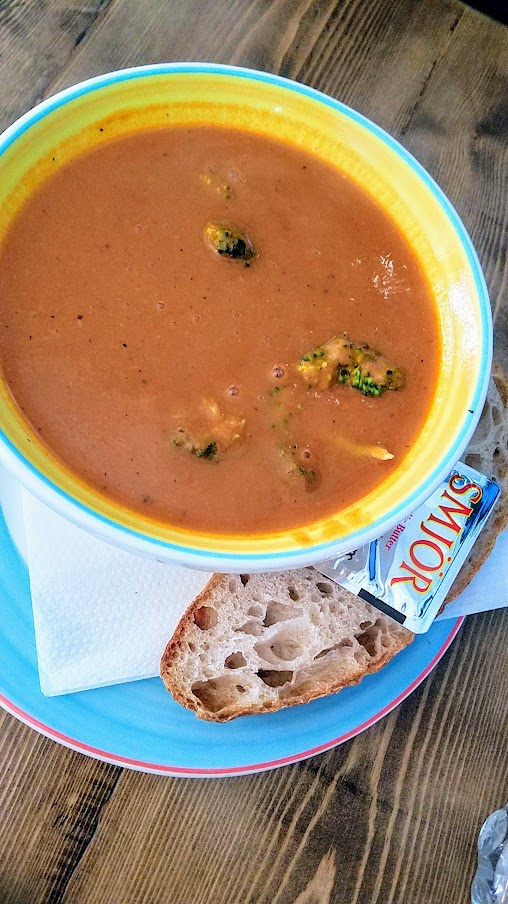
(211, 597)
(497, 468)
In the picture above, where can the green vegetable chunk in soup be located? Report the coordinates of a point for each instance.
(158, 370)
(230, 241)
(209, 433)
(342, 361)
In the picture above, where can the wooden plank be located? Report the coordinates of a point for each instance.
(50, 801)
(458, 129)
(391, 817)
(36, 40)
(345, 48)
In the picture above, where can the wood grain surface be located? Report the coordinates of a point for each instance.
(393, 815)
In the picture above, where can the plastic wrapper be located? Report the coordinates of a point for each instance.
(490, 884)
(408, 571)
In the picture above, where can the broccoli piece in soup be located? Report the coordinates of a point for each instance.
(199, 447)
(229, 242)
(209, 432)
(323, 364)
(344, 361)
(373, 373)
(298, 462)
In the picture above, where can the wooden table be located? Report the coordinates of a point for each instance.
(393, 815)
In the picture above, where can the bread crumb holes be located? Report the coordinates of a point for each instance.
(235, 661)
(205, 618)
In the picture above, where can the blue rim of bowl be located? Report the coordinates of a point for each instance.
(410, 503)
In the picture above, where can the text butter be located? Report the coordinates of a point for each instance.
(408, 572)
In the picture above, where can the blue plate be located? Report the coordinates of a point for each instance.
(138, 725)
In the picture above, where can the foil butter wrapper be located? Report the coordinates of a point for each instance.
(408, 572)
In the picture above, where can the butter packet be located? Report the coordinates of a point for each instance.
(408, 571)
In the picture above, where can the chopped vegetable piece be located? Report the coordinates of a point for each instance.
(208, 452)
(380, 454)
(198, 447)
(299, 463)
(363, 450)
(344, 361)
(227, 430)
(230, 242)
(209, 433)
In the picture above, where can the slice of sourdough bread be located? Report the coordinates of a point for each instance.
(257, 643)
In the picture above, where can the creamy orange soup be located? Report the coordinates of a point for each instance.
(167, 302)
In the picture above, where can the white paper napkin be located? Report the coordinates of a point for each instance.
(489, 587)
(103, 616)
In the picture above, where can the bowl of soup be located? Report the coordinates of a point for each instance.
(241, 328)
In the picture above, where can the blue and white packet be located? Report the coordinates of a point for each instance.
(407, 572)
